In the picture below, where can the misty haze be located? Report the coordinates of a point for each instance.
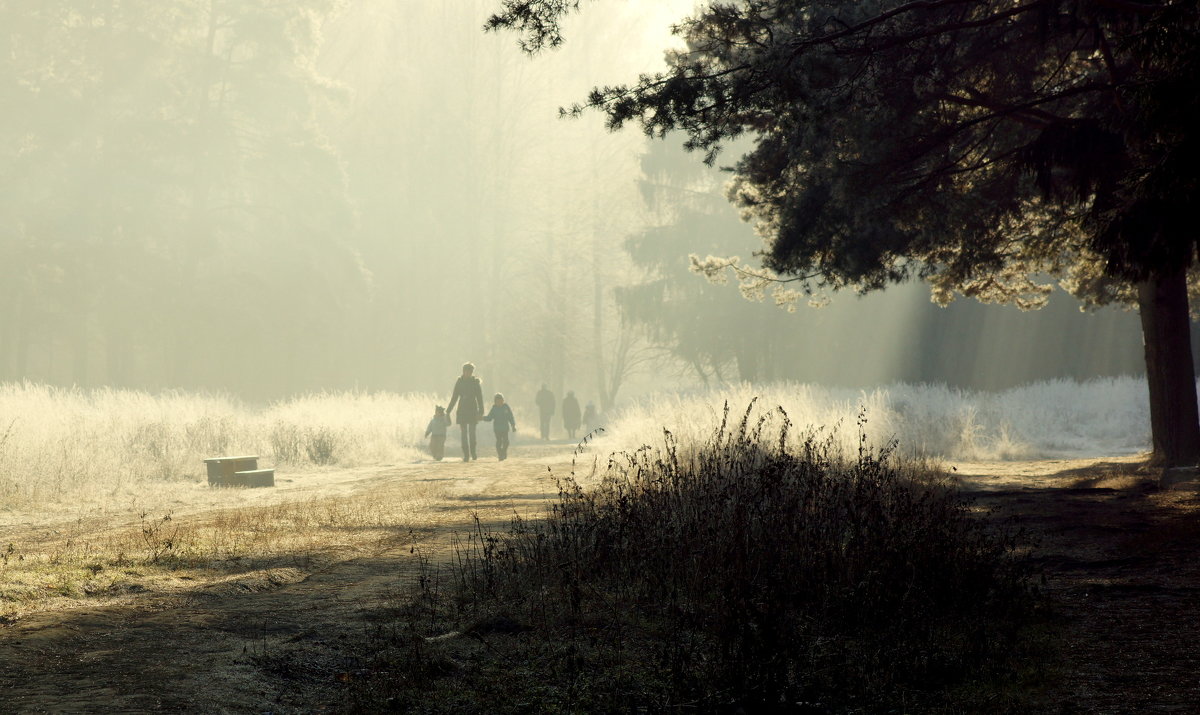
(472, 356)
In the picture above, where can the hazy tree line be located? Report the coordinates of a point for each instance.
(172, 212)
(273, 197)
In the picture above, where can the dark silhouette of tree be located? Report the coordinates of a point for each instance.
(711, 329)
(971, 143)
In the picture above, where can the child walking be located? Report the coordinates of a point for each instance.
(501, 417)
(436, 431)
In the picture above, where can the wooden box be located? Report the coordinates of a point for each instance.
(222, 469)
(252, 478)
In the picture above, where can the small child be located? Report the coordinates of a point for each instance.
(501, 417)
(436, 431)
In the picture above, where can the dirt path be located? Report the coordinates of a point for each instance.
(1118, 557)
(247, 642)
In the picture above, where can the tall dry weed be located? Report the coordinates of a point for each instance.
(750, 572)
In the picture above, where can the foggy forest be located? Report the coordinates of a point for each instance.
(506, 356)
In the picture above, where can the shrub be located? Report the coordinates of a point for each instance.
(1055, 418)
(321, 445)
(286, 443)
(747, 574)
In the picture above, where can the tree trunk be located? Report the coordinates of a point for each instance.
(116, 349)
(598, 322)
(748, 362)
(81, 349)
(1166, 335)
(21, 343)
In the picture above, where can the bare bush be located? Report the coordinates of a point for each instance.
(322, 445)
(742, 575)
(287, 443)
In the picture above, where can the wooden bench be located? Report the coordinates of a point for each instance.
(227, 471)
(252, 478)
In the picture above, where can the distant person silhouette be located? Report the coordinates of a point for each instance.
(545, 404)
(468, 394)
(570, 414)
(590, 419)
(501, 417)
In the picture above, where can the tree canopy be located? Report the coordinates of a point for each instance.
(968, 143)
(976, 144)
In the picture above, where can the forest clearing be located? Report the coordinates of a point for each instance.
(846, 351)
(277, 599)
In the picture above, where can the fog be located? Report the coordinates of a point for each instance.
(266, 199)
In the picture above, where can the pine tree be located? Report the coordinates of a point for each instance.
(973, 144)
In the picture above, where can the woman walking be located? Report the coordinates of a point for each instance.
(468, 395)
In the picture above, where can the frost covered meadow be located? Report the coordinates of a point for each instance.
(60, 444)
(57, 444)
(1058, 418)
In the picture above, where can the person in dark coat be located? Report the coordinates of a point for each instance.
(570, 414)
(436, 432)
(501, 417)
(468, 394)
(545, 404)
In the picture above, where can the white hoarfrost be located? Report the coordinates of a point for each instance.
(1058, 418)
(58, 444)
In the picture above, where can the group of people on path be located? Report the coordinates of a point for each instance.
(572, 418)
(468, 396)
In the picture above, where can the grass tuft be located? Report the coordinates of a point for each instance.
(744, 573)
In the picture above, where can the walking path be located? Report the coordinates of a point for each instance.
(233, 643)
(1119, 560)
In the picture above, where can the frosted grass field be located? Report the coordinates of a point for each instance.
(1053, 419)
(68, 445)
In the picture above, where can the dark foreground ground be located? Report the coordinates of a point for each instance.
(1119, 558)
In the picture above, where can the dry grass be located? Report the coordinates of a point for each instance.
(1056, 418)
(104, 558)
(740, 574)
(103, 493)
(67, 449)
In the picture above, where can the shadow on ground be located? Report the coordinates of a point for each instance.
(1118, 555)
